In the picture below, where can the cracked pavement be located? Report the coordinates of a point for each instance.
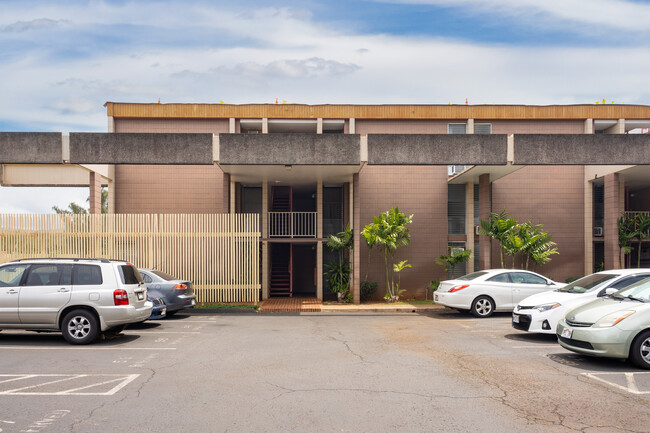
(443, 371)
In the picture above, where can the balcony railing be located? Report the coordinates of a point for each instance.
(292, 224)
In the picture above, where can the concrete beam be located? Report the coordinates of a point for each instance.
(137, 148)
(437, 149)
(53, 175)
(581, 149)
(31, 147)
(289, 149)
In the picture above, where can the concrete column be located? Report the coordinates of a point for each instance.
(111, 196)
(265, 125)
(95, 185)
(319, 235)
(352, 128)
(612, 213)
(231, 125)
(589, 129)
(589, 227)
(469, 223)
(484, 208)
(265, 244)
(355, 218)
(319, 125)
(470, 126)
(111, 124)
(619, 128)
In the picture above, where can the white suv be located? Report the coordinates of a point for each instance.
(79, 297)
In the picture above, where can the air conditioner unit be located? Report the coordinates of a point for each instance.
(598, 231)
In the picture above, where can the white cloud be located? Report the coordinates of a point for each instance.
(23, 26)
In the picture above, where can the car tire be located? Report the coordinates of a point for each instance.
(80, 327)
(640, 350)
(483, 306)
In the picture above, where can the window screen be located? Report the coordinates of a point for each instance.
(456, 209)
(456, 128)
(482, 128)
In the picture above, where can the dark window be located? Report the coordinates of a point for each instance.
(599, 207)
(84, 275)
(164, 275)
(66, 275)
(130, 275)
(11, 275)
(147, 279)
(628, 281)
(43, 275)
(456, 209)
(332, 210)
(501, 278)
(525, 278)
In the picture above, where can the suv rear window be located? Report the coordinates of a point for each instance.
(130, 275)
(83, 275)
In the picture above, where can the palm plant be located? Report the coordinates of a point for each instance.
(626, 232)
(369, 234)
(453, 259)
(498, 226)
(642, 233)
(391, 234)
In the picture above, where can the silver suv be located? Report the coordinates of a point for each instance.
(79, 297)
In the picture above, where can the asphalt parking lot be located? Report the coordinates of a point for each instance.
(441, 371)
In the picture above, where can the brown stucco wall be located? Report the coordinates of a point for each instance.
(536, 126)
(417, 190)
(170, 188)
(552, 196)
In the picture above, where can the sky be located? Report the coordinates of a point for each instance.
(60, 61)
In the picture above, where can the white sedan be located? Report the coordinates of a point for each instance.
(541, 313)
(484, 292)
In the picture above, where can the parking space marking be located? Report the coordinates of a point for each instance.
(168, 332)
(65, 384)
(83, 348)
(629, 378)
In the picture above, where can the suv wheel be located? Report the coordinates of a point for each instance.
(640, 350)
(80, 327)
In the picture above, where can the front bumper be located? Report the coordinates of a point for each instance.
(533, 320)
(609, 342)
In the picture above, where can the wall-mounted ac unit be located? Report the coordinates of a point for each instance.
(598, 231)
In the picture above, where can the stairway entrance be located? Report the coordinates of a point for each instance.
(293, 269)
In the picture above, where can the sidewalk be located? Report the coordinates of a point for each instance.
(379, 307)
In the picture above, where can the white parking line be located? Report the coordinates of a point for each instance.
(629, 380)
(83, 348)
(96, 380)
(536, 346)
(168, 332)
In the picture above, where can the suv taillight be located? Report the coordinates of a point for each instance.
(180, 286)
(121, 297)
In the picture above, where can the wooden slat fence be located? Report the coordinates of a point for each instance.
(219, 253)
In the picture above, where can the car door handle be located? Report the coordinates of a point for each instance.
(12, 291)
(63, 290)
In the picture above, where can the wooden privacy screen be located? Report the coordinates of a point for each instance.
(219, 253)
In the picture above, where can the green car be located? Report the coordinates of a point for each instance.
(617, 326)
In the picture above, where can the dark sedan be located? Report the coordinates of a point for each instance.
(177, 294)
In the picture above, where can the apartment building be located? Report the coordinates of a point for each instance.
(301, 201)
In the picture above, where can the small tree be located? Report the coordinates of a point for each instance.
(391, 233)
(454, 258)
(74, 208)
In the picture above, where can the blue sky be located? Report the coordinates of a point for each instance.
(60, 61)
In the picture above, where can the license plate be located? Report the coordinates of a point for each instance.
(515, 318)
(435, 298)
(193, 302)
(140, 296)
(567, 333)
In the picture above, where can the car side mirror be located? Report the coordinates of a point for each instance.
(608, 291)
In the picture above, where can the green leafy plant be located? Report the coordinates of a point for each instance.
(455, 257)
(391, 233)
(368, 288)
(338, 273)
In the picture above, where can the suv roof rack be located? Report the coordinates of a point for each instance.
(74, 259)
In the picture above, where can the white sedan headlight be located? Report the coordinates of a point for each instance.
(612, 319)
(546, 307)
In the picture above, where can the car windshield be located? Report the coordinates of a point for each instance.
(164, 275)
(471, 276)
(638, 292)
(588, 283)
